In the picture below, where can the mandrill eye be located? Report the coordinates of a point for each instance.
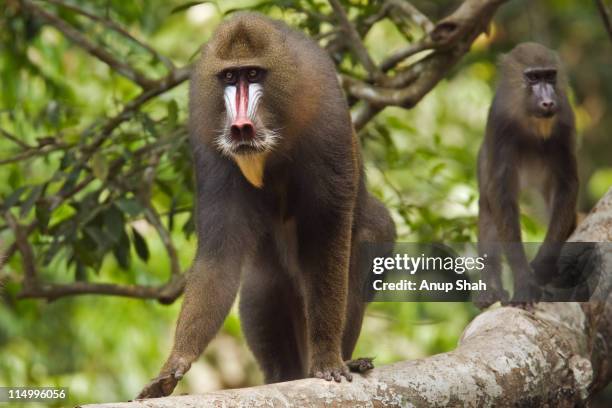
(253, 75)
(229, 77)
(532, 77)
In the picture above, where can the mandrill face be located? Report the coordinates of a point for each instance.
(245, 96)
(244, 131)
(541, 83)
(243, 87)
(531, 90)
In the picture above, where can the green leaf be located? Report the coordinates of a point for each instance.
(96, 234)
(114, 223)
(13, 198)
(187, 5)
(437, 169)
(172, 114)
(149, 126)
(99, 166)
(67, 160)
(165, 187)
(258, 7)
(14, 178)
(140, 244)
(122, 251)
(84, 253)
(130, 206)
(27, 205)
(171, 214)
(80, 274)
(70, 182)
(189, 226)
(43, 215)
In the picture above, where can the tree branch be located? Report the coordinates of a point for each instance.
(605, 16)
(393, 60)
(354, 40)
(165, 294)
(7, 254)
(407, 10)
(32, 152)
(363, 115)
(153, 218)
(450, 39)
(28, 259)
(15, 139)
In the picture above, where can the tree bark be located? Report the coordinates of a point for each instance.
(558, 355)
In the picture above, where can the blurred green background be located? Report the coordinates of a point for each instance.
(420, 162)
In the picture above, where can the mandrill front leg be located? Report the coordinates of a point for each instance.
(326, 298)
(210, 291)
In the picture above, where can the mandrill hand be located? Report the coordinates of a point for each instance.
(165, 382)
(331, 368)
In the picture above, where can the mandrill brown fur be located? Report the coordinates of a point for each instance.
(281, 205)
(529, 142)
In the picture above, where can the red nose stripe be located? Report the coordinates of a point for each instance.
(242, 102)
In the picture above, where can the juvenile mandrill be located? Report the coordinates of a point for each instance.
(281, 206)
(529, 142)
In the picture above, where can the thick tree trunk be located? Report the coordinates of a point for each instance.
(556, 356)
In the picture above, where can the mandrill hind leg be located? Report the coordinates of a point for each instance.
(377, 227)
(272, 318)
(489, 246)
(360, 365)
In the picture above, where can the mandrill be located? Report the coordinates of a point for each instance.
(529, 142)
(281, 206)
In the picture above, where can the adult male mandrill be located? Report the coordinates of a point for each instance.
(529, 143)
(281, 206)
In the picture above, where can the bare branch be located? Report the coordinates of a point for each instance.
(354, 39)
(153, 217)
(165, 294)
(451, 38)
(15, 139)
(382, 12)
(605, 16)
(363, 114)
(32, 152)
(393, 60)
(507, 357)
(24, 247)
(117, 28)
(7, 254)
(402, 8)
(99, 52)
(431, 70)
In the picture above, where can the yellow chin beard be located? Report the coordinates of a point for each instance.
(252, 167)
(543, 126)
